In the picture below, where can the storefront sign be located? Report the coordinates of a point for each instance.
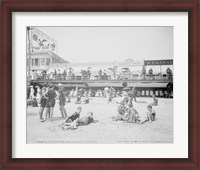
(158, 62)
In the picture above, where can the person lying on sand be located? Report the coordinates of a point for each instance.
(151, 115)
(86, 120)
(71, 121)
(155, 100)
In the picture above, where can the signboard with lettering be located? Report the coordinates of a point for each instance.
(42, 42)
(158, 62)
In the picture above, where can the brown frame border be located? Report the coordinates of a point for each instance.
(9, 6)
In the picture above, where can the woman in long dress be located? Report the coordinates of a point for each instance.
(38, 95)
(31, 93)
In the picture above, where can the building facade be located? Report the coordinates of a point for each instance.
(41, 51)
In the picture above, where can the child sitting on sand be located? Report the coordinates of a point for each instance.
(128, 114)
(132, 115)
(124, 101)
(155, 100)
(78, 100)
(151, 115)
(121, 112)
(71, 122)
(86, 100)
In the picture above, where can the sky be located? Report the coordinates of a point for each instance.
(101, 44)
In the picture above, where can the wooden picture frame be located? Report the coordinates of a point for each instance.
(10, 6)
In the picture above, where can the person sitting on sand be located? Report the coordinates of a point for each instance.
(125, 100)
(132, 115)
(155, 100)
(85, 120)
(151, 115)
(121, 112)
(71, 121)
(78, 100)
(129, 115)
(86, 100)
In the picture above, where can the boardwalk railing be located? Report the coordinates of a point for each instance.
(152, 77)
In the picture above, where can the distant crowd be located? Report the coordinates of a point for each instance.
(103, 74)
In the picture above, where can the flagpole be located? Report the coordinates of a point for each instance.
(29, 52)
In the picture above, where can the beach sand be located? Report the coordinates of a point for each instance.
(105, 130)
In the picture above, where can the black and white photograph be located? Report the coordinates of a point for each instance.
(99, 85)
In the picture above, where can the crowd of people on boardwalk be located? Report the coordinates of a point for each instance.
(46, 99)
(102, 74)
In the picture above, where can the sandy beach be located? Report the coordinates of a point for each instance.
(105, 130)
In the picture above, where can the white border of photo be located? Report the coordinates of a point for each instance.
(178, 149)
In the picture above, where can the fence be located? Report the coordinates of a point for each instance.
(152, 77)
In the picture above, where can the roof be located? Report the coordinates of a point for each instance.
(57, 59)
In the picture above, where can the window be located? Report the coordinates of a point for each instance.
(36, 62)
(27, 62)
(48, 61)
(43, 61)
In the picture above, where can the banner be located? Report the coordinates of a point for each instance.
(41, 42)
(158, 62)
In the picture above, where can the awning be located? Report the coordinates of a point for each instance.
(85, 85)
(130, 84)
